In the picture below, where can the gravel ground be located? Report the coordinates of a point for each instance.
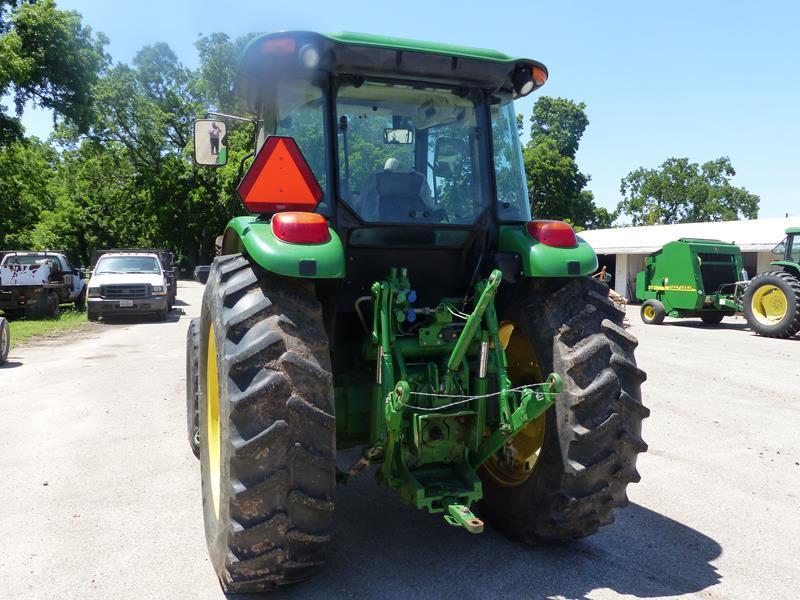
(101, 497)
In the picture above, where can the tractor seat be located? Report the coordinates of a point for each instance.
(392, 195)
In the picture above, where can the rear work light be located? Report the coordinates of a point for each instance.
(300, 228)
(279, 45)
(553, 233)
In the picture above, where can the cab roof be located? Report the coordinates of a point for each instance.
(361, 54)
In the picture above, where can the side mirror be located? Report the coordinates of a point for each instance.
(448, 157)
(398, 136)
(210, 143)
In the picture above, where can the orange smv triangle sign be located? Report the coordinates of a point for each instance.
(279, 179)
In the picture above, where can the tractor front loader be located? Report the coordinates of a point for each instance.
(389, 291)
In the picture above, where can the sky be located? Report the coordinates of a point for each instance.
(659, 79)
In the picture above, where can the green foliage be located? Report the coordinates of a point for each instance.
(49, 58)
(556, 185)
(680, 191)
(26, 169)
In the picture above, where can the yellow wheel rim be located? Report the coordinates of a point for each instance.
(212, 420)
(769, 304)
(649, 312)
(515, 462)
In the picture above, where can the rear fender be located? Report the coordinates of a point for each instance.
(787, 265)
(541, 260)
(254, 237)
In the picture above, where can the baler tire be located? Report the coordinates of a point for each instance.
(192, 367)
(712, 318)
(593, 432)
(276, 443)
(5, 340)
(658, 308)
(789, 325)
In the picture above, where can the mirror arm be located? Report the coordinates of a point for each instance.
(232, 117)
(247, 156)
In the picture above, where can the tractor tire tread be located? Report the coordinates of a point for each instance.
(593, 433)
(790, 326)
(282, 428)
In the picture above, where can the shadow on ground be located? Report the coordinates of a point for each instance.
(10, 364)
(700, 325)
(383, 549)
(173, 316)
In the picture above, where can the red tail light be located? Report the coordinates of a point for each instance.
(300, 228)
(553, 233)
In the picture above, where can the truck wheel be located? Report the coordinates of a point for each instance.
(53, 308)
(267, 427)
(92, 315)
(562, 476)
(42, 306)
(80, 301)
(712, 318)
(652, 312)
(192, 417)
(772, 304)
(5, 340)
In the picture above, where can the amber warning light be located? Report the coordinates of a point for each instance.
(279, 179)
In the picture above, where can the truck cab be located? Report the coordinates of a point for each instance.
(128, 283)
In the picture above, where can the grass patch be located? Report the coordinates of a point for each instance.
(23, 329)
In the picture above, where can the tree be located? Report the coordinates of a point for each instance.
(26, 174)
(49, 58)
(556, 185)
(680, 191)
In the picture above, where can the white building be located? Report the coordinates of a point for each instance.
(622, 250)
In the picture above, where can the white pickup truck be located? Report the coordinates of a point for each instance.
(37, 283)
(128, 283)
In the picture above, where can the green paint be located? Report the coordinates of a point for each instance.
(435, 430)
(541, 260)
(255, 237)
(350, 38)
(691, 277)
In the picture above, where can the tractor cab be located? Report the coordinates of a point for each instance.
(789, 248)
(414, 147)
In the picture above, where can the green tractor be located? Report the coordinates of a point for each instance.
(390, 292)
(772, 299)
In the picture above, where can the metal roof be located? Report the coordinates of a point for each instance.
(751, 236)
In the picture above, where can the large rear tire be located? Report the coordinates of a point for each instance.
(192, 367)
(772, 304)
(267, 427)
(592, 435)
